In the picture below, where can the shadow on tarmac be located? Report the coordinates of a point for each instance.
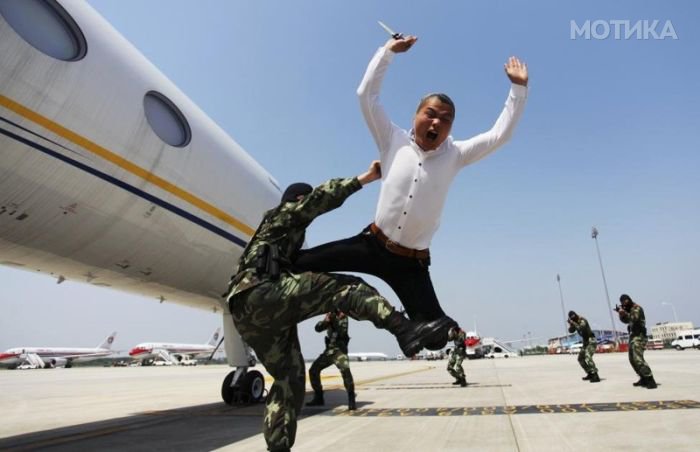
(194, 428)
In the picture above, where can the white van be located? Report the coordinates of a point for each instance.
(687, 339)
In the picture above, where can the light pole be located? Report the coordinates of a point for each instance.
(594, 235)
(563, 311)
(675, 317)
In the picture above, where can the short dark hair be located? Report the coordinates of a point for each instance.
(442, 97)
(572, 314)
(624, 297)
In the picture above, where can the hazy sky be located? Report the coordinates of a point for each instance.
(609, 138)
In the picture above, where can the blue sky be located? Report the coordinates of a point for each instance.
(609, 138)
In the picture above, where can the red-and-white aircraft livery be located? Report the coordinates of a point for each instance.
(47, 357)
(174, 353)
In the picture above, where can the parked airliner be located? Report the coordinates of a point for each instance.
(174, 353)
(110, 175)
(46, 357)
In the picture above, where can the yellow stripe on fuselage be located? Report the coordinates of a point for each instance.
(124, 164)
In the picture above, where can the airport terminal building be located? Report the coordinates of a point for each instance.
(604, 338)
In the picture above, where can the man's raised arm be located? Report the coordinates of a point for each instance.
(368, 92)
(483, 144)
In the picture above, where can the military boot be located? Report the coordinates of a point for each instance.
(317, 399)
(587, 377)
(413, 336)
(639, 382)
(594, 378)
(463, 382)
(650, 383)
(457, 381)
(352, 406)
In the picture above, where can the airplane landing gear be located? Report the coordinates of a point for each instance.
(249, 387)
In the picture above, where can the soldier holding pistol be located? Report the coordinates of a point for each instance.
(633, 315)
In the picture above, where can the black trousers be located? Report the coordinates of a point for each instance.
(409, 278)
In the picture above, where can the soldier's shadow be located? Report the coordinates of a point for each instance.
(336, 400)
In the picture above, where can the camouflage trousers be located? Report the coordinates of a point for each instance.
(454, 365)
(585, 358)
(637, 345)
(267, 315)
(331, 356)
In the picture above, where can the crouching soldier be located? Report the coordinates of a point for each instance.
(336, 326)
(585, 356)
(268, 298)
(459, 352)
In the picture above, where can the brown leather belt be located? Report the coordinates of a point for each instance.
(395, 248)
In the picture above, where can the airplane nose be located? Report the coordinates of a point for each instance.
(137, 351)
(4, 356)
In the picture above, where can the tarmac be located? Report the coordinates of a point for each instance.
(535, 403)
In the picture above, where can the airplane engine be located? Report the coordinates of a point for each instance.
(56, 362)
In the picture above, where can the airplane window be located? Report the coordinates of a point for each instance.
(46, 26)
(166, 120)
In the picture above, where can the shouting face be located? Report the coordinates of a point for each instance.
(432, 123)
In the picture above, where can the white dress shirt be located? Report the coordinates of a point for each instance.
(415, 182)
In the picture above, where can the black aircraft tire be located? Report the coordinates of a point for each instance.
(253, 385)
(227, 392)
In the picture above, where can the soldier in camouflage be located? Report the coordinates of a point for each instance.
(335, 324)
(633, 315)
(459, 352)
(268, 298)
(585, 356)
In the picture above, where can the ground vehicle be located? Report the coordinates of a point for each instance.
(687, 339)
(575, 347)
(498, 352)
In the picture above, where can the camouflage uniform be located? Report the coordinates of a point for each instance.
(636, 327)
(585, 356)
(459, 352)
(266, 309)
(336, 353)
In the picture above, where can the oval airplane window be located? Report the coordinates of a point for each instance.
(46, 26)
(166, 120)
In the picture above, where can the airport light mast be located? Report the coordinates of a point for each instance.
(563, 311)
(594, 236)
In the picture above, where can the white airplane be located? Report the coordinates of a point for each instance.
(368, 356)
(50, 357)
(175, 353)
(110, 175)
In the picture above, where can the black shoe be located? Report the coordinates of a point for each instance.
(414, 336)
(594, 378)
(463, 382)
(441, 341)
(317, 400)
(457, 382)
(640, 382)
(587, 377)
(352, 406)
(650, 383)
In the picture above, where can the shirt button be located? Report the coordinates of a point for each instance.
(404, 213)
(415, 180)
(410, 196)
(420, 164)
(399, 227)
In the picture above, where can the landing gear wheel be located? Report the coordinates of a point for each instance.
(249, 389)
(253, 385)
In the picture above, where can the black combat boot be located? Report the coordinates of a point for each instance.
(317, 400)
(457, 381)
(463, 382)
(650, 383)
(639, 382)
(594, 378)
(352, 406)
(587, 377)
(414, 336)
